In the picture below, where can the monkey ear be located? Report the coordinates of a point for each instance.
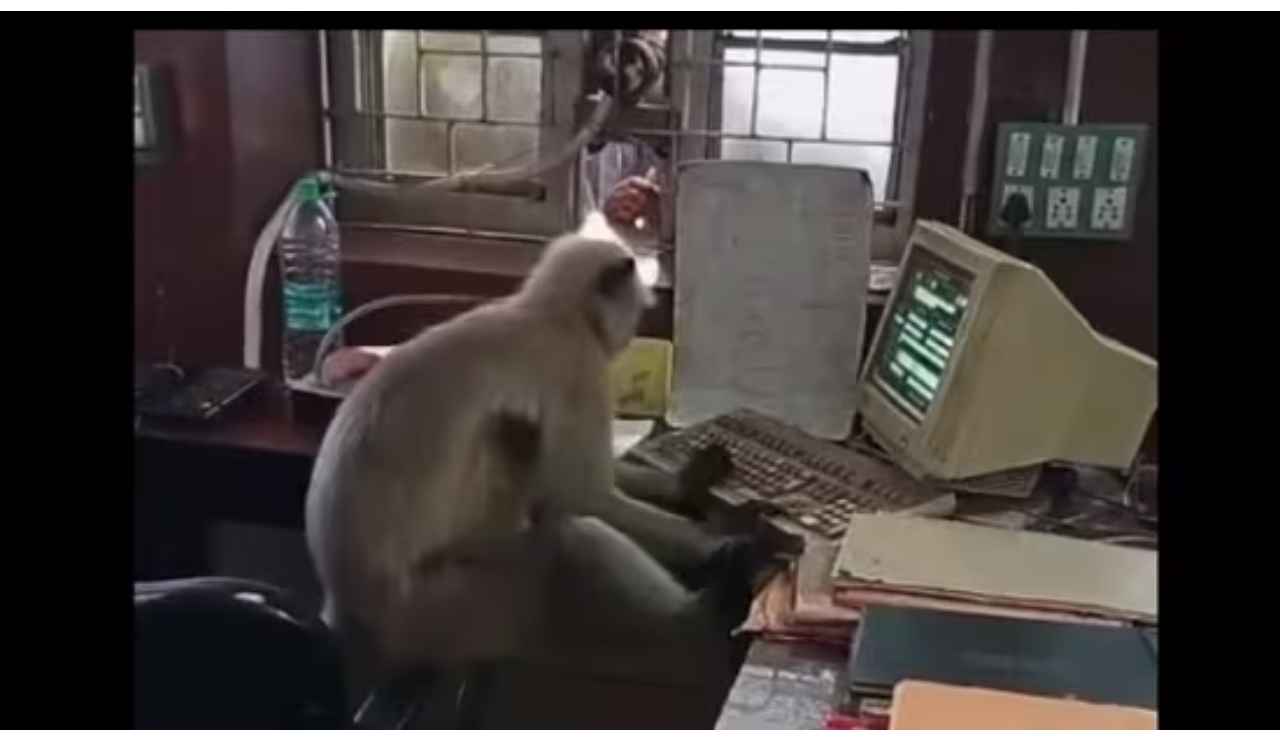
(613, 277)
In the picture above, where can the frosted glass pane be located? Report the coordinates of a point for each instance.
(451, 86)
(790, 103)
(863, 90)
(874, 159)
(735, 104)
(501, 146)
(510, 44)
(417, 147)
(865, 37)
(764, 151)
(514, 89)
(793, 58)
(399, 73)
(449, 40)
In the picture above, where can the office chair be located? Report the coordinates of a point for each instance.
(224, 653)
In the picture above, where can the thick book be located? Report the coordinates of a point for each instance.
(1109, 665)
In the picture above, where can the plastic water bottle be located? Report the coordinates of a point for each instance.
(310, 265)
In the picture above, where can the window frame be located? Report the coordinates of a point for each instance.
(691, 107)
(352, 131)
(696, 92)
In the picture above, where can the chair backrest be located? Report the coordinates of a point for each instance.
(232, 653)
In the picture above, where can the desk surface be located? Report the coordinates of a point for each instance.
(266, 421)
(784, 686)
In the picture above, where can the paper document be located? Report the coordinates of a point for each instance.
(771, 298)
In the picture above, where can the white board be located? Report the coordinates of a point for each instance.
(772, 264)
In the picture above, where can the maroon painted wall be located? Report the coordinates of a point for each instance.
(248, 116)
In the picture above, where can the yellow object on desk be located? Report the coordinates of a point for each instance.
(640, 378)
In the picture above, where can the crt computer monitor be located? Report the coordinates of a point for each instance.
(981, 365)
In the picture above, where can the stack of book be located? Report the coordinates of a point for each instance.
(1099, 665)
(954, 566)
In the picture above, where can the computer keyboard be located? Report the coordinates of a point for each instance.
(814, 483)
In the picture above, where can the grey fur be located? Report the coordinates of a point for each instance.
(434, 543)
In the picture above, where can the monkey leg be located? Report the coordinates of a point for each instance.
(478, 604)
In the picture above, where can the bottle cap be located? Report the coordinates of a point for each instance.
(308, 189)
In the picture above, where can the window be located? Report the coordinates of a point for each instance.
(851, 98)
(423, 104)
(415, 105)
(814, 97)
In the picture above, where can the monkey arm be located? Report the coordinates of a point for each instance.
(687, 492)
(648, 484)
(672, 539)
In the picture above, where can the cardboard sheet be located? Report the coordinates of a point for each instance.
(921, 705)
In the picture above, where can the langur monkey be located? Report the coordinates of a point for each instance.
(474, 463)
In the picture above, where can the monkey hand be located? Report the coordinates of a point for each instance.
(707, 467)
(733, 574)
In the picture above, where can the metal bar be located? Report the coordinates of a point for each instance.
(755, 86)
(339, 114)
(420, 103)
(790, 144)
(759, 137)
(449, 156)
(977, 122)
(491, 54)
(826, 91)
(899, 120)
(1075, 78)
(484, 75)
(882, 48)
(796, 67)
(326, 123)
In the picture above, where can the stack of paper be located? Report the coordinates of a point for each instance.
(797, 604)
(943, 564)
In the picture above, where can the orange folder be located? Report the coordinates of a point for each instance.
(921, 705)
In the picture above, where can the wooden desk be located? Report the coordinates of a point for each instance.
(264, 423)
(251, 466)
(794, 685)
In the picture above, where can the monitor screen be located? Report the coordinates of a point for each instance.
(919, 332)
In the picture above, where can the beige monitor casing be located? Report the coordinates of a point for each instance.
(1029, 380)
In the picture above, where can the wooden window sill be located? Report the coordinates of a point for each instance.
(511, 258)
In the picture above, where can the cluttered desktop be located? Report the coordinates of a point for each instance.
(927, 472)
(903, 523)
